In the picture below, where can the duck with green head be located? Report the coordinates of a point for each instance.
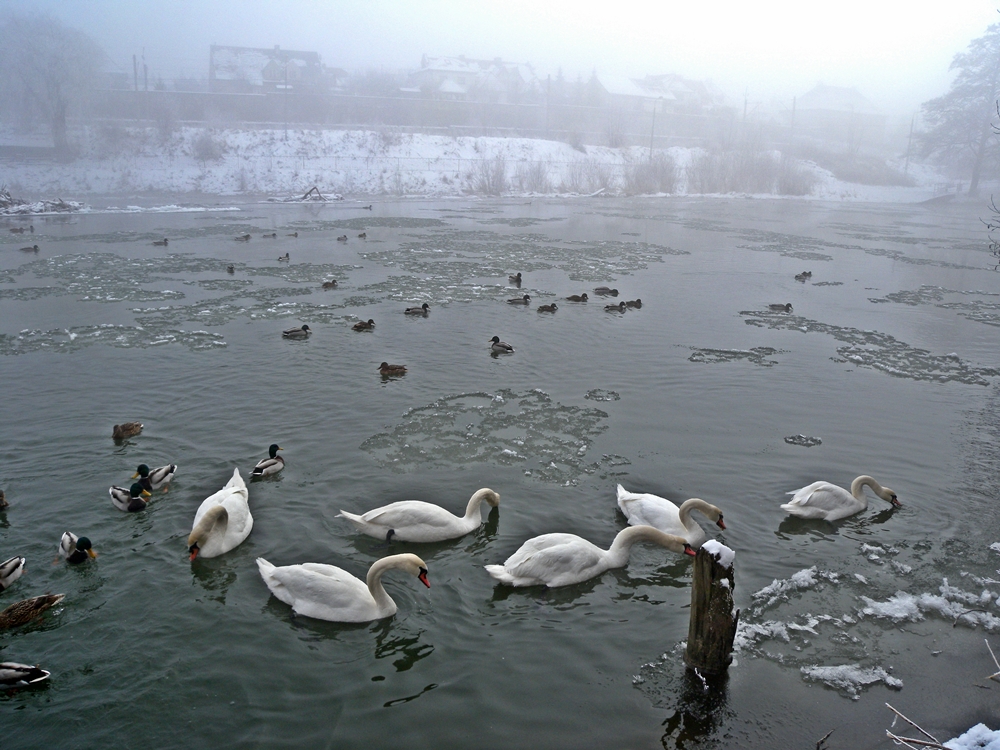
(270, 465)
(153, 479)
(129, 500)
(75, 549)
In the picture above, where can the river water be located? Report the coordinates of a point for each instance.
(889, 357)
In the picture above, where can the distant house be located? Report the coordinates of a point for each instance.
(248, 70)
(837, 113)
(463, 79)
(666, 91)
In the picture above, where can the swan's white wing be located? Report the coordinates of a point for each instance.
(556, 560)
(410, 513)
(325, 592)
(823, 500)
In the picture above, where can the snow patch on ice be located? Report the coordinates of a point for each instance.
(850, 678)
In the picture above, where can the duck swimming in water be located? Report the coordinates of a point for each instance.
(364, 326)
(153, 479)
(525, 300)
(606, 291)
(74, 549)
(547, 308)
(388, 370)
(577, 297)
(270, 465)
(129, 500)
(302, 332)
(23, 612)
(422, 310)
(619, 308)
(781, 308)
(500, 347)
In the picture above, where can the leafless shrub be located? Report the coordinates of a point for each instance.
(747, 168)
(490, 176)
(614, 130)
(656, 175)
(794, 179)
(589, 176)
(602, 175)
(533, 177)
(206, 148)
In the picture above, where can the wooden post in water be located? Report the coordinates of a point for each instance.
(713, 621)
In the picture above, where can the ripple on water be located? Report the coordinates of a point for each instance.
(880, 351)
(548, 439)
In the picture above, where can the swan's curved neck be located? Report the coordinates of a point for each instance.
(691, 504)
(857, 487)
(618, 555)
(472, 509)
(383, 601)
(215, 521)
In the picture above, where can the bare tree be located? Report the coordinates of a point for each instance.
(959, 121)
(48, 67)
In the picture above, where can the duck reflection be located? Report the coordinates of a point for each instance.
(817, 528)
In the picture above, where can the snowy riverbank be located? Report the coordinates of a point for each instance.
(116, 160)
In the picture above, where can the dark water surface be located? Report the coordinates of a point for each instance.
(890, 357)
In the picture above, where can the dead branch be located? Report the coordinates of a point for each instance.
(823, 739)
(913, 724)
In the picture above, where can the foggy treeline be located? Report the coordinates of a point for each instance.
(61, 85)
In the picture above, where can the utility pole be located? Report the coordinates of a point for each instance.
(652, 130)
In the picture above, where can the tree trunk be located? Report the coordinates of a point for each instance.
(978, 164)
(713, 623)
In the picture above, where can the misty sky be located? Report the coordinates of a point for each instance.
(896, 53)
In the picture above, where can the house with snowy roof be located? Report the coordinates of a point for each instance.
(247, 70)
(465, 79)
(837, 113)
(666, 92)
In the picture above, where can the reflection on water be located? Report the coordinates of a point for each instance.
(405, 650)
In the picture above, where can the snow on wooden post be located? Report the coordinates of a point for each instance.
(713, 622)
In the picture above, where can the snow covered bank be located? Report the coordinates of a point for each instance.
(115, 160)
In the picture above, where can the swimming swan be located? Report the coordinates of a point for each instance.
(563, 559)
(417, 521)
(327, 592)
(831, 503)
(660, 513)
(223, 520)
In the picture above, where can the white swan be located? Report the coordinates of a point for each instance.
(651, 510)
(562, 559)
(831, 503)
(327, 592)
(417, 521)
(223, 520)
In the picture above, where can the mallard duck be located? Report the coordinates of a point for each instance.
(516, 278)
(32, 249)
(292, 234)
(363, 326)
(23, 612)
(363, 236)
(3, 500)
(270, 465)
(619, 308)
(222, 522)
(803, 276)
(153, 479)
(547, 308)
(302, 332)
(271, 236)
(781, 308)
(500, 347)
(161, 243)
(563, 559)
(605, 291)
(634, 303)
(242, 238)
(332, 284)
(422, 310)
(327, 592)
(577, 297)
(17, 230)
(230, 268)
(129, 500)
(284, 258)
(342, 238)
(126, 430)
(14, 675)
(367, 208)
(525, 300)
(417, 521)
(75, 549)
(388, 370)
(10, 571)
